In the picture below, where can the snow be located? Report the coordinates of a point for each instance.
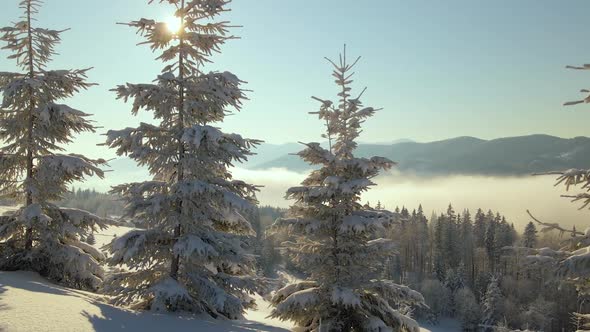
(107, 235)
(345, 296)
(58, 308)
(23, 293)
(34, 211)
(262, 312)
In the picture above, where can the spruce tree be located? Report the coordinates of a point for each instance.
(529, 238)
(333, 232)
(490, 241)
(34, 126)
(468, 247)
(479, 229)
(492, 304)
(468, 310)
(193, 256)
(422, 242)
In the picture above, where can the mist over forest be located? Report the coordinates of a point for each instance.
(504, 194)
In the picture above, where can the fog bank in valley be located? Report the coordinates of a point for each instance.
(511, 196)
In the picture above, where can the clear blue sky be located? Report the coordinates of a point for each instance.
(438, 68)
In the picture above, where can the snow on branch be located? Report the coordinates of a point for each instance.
(547, 227)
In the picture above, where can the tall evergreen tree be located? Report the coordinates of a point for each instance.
(529, 237)
(492, 304)
(193, 256)
(334, 232)
(451, 244)
(34, 126)
(479, 229)
(490, 240)
(468, 246)
(422, 242)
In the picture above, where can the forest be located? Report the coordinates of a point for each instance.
(193, 243)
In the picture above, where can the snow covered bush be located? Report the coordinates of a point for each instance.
(193, 256)
(437, 297)
(468, 310)
(42, 236)
(492, 305)
(333, 231)
(539, 315)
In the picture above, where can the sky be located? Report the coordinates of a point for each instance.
(439, 69)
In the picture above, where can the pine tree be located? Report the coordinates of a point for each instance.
(422, 242)
(451, 247)
(529, 239)
(490, 241)
(334, 233)
(379, 206)
(468, 310)
(42, 236)
(468, 246)
(492, 304)
(504, 235)
(479, 229)
(193, 257)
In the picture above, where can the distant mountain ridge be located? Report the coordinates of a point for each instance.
(461, 155)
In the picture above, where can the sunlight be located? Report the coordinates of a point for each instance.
(173, 24)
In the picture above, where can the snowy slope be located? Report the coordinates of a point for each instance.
(107, 235)
(30, 303)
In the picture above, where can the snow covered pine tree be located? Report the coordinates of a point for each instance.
(193, 255)
(41, 236)
(492, 305)
(332, 232)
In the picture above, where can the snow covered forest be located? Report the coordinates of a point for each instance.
(190, 246)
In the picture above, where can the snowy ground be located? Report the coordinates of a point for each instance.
(445, 325)
(30, 303)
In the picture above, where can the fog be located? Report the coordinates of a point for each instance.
(511, 196)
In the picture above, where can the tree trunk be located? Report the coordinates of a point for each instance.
(177, 231)
(28, 194)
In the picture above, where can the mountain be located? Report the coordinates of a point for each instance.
(266, 152)
(468, 155)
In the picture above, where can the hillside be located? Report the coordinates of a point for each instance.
(468, 155)
(58, 308)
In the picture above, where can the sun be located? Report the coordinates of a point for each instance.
(173, 24)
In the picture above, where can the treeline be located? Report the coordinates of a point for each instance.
(101, 204)
(459, 263)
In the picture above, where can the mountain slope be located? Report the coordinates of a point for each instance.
(469, 155)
